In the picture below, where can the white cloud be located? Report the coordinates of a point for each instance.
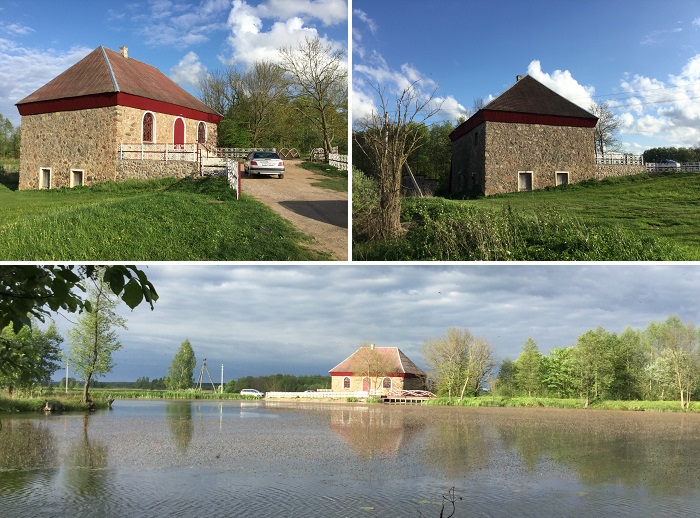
(189, 70)
(363, 105)
(16, 29)
(178, 24)
(251, 40)
(564, 84)
(696, 22)
(23, 70)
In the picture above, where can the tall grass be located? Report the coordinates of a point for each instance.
(537, 402)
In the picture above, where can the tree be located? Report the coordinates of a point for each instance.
(36, 356)
(459, 362)
(264, 88)
(221, 90)
(593, 362)
(373, 365)
(558, 372)
(605, 133)
(529, 366)
(318, 80)
(93, 339)
(390, 136)
(181, 371)
(505, 381)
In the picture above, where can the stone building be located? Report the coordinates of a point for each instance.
(377, 370)
(527, 138)
(73, 126)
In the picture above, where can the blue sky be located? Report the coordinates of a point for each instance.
(641, 56)
(305, 319)
(184, 39)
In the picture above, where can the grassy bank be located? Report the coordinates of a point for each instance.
(155, 220)
(535, 402)
(61, 403)
(329, 177)
(639, 217)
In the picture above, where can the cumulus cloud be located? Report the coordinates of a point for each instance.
(189, 70)
(562, 82)
(181, 24)
(251, 39)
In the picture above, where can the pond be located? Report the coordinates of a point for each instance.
(159, 458)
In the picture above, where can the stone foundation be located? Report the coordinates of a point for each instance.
(612, 170)
(147, 169)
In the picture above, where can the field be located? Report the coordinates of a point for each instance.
(641, 217)
(156, 220)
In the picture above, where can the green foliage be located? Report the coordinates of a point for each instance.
(278, 383)
(529, 367)
(9, 139)
(164, 219)
(351, 399)
(331, 177)
(679, 154)
(31, 356)
(365, 206)
(181, 371)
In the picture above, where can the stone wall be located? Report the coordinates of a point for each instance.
(467, 173)
(147, 169)
(63, 141)
(542, 149)
(130, 127)
(608, 170)
(397, 383)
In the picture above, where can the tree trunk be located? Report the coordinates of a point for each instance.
(389, 204)
(85, 389)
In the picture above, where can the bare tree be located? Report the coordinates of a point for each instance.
(318, 79)
(606, 128)
(389, 136)
(372, 364)
(221, 89)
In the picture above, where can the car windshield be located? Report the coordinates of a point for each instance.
(266, 154)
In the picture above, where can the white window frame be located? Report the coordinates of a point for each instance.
(556, 177)
(391, 382)
(532, 180)
(42, 172)
(206, 130)
(155, 127)
(72, 177)
(349, 383)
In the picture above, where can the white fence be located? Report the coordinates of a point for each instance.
(317, 395)
(232, 173)
(619, 159)
(160, 152)
(685, 167)
(339, 161)
(237, 153)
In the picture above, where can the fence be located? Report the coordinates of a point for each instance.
(237, 153)
(232, 173)
(339, 161)
(619, 159)
(160, 152)
(685, 167)
(317, 395)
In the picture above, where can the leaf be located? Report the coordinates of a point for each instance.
(133, 294)
(115, 279)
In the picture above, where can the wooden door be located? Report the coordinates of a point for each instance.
(179, 132)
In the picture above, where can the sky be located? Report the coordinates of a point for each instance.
(184, 39)
(306, 319)
(642, 57)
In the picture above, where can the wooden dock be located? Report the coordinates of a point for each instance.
(408, 397)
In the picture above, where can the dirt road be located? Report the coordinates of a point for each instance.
(319, 212)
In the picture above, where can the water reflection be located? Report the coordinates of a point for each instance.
(179, 418)
(27, 447)
(375, 431)
(85, 459)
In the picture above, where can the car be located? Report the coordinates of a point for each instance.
(264, 162)
(252, 393)
(668, 164)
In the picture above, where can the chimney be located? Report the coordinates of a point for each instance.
(518, 78)
(371, 346)
(124, 51)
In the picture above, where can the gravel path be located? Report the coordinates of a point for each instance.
(319, 212)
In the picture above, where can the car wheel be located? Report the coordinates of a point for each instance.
(281, 175)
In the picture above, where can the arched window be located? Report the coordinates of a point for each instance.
(346, 383)
(201, 133)
(386, 383)
(149, 128)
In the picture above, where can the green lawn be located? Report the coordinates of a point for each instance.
(329, 177)
(157, 220)
(637, 218)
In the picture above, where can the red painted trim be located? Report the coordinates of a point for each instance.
(388, 375)
(519, 118)
(113, 99)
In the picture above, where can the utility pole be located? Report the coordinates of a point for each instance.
(66, 376)
(222, 378)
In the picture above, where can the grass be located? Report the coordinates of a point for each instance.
(155, 220)
(331, 177)
(541, 402)
(64, 403)
(639, 218)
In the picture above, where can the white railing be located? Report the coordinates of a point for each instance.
(233, 176)
(339, 161)
(619, 159)
(317, 395)
(685, 167)
(161, 152)
(237, 153)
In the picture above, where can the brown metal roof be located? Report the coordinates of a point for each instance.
(106, 71)
(393, 358)
(530, 96)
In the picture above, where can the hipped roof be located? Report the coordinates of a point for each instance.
(105, 71)
(392, 358)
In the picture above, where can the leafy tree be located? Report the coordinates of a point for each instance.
(9, 139)
(558, 372)
(264, 89)
(93, 339)
(36, 356)
(181, 371)
(459, 362)
(629, 361)
(593, 362)
(505, 381)
(317, 76)
(528, 375)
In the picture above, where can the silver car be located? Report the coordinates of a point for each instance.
(252, 393)
(264, 162)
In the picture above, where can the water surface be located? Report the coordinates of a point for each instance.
(155, 458)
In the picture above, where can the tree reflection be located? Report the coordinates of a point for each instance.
(179, 418)
(26, 446)
(86, 460)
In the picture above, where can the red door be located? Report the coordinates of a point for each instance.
(179, 132)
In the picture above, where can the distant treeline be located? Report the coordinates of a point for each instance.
(679, 154)
(279, 383)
